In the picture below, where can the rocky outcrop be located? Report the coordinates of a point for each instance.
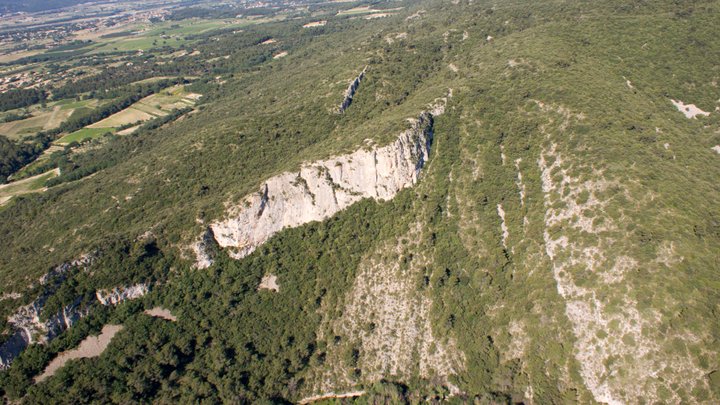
(29, 328)
(269, 282)
(120, 294)
(401, 341)
(58, 274)
(320, 189)
(204, 249)
(350, 92)
(690, 110)
(27, 324)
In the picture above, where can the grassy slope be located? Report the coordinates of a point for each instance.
(83, 134)
(572, 65)
(25, 186)
(43, 118)
(289, 116)
(268, 121)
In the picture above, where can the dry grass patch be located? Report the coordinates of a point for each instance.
(315, 24)
(160, 312)
(92, 346)
(129, 115)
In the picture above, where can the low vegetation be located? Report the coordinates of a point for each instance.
(559, 247)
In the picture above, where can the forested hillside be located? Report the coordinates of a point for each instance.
(548, 231)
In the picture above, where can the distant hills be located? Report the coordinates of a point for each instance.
(13, 6)
(31, 6)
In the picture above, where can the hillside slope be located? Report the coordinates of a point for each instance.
(554, 238)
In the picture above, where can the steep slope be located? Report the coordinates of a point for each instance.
(385, 325)
(556, 242)
(322, 188)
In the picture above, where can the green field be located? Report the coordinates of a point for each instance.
(45, 118)
(70, 103)
(171, 34)
(150, 107)
(42, 159)
(84, 134)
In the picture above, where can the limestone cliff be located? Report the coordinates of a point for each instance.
(351, 90)
(28, 327)
(322, 188)
(29, 324)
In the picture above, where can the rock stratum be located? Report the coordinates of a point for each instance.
(31, 324)
(322, 188)
(350, 92)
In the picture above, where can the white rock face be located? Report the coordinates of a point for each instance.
(269, 282)
(58, 274)
(29, 328)
(321, 189)
(26, 322)
(503, 225)
(690, 110)
(120, 294)
(201, 248)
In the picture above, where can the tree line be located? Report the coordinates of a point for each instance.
(16, 154)
(18, 98)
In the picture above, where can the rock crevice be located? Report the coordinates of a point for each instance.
(350, 92)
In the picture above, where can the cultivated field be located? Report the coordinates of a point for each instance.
(153, 106)
(173, 34)
(129, 115)
(366, 10)
(29, 185)
(43, 118)
(84, 134)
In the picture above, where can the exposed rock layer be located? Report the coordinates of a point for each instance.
(626, 352)
(321, 189)
(28, 323)
(351, 90)
(120, 294)
(388, 321)
(28, 326)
